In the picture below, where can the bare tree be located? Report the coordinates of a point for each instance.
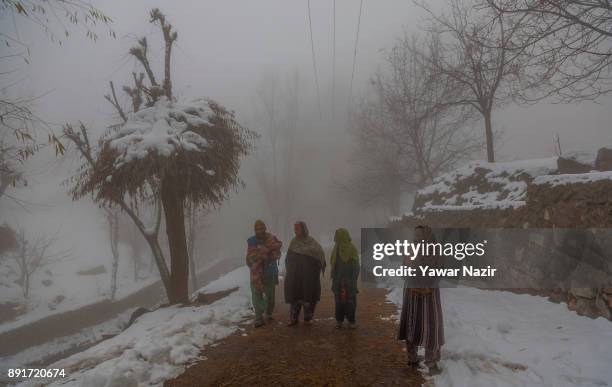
(278, 108)
(570, 43)
(409, 130)
(33, 254)
(177, 152)
(478, 54)
(379, 173)
(18, 119)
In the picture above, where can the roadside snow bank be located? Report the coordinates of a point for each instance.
(160, 344)
(503, 339)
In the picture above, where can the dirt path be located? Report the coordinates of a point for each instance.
(319, 355)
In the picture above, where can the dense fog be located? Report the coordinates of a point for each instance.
(245, 55)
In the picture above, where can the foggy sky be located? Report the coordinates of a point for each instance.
(224, 47)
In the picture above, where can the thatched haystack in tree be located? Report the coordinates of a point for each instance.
(173, 151)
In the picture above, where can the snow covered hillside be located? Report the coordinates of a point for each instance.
(160, 344)
(81, 278)
(503, 339)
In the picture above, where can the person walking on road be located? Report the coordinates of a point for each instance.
(263, 253)
(305, 261)
(344, 262)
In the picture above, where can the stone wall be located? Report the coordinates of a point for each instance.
(564, 201)
(576, 205)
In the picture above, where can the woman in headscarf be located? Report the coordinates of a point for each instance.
(421, 322)
(304, 263)
(344, 272)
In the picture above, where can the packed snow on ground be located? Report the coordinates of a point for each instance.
(573, 178)
(498, 338)
(160, 344)
(85, 337)
(505, 185)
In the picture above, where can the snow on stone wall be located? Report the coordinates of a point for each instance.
(525, 194)
(482, 185)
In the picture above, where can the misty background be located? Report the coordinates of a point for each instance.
(234, 52)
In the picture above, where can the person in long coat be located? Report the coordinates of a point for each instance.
(305, 261)
(344, 262)
(421, 322)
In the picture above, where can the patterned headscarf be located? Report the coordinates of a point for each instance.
(307, 245)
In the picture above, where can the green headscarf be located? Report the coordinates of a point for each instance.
(343, 247)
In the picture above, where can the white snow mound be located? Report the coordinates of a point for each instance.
(160, 344)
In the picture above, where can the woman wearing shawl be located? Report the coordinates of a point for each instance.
(421, 318)
(344, 272)
(304, 263)
(263, 253)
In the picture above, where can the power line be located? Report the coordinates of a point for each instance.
(355, 53)
(314, 61)
(333, 94)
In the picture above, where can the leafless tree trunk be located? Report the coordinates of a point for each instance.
(173, 202)
(112, 217)
(192, 225)
(489, 136)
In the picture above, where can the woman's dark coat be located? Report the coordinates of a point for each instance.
(302, 278)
